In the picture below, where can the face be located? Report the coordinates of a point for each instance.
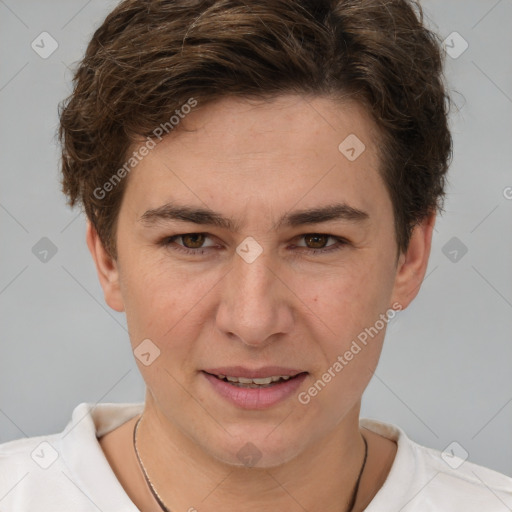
(250, 245)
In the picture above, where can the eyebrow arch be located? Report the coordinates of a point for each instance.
(205, 216)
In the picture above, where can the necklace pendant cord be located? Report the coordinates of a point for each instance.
(165, 509)
(150, 485)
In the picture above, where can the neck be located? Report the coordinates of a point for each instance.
(322, 477)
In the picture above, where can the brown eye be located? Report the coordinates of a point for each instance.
(316, 241)
(189, 243)
(193, 240)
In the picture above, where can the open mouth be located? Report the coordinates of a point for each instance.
(256, 389)
(256, 383)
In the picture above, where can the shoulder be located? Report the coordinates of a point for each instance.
(424, 479)
(459, 484)
(21, 454)
(31, 473)
(67, 470)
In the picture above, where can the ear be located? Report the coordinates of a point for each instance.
(107, 268)
(412, 264)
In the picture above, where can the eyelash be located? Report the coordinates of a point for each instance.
(169, 241)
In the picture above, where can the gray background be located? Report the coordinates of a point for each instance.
(445, 373)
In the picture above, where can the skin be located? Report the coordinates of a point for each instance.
(254, 162)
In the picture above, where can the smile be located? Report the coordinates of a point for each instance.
(255, 392)
(244, 382)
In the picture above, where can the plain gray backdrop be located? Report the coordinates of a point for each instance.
(445, 373)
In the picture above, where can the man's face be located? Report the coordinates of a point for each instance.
(226, 304)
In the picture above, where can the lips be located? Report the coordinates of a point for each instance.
(263, 381)
(254, 388)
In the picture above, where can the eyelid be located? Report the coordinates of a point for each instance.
(339, 239)
(170, 240)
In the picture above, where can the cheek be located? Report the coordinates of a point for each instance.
(351, 298)
(350, 306)
(160, 307)
(151, 297)
(163, 302)
(351, 334)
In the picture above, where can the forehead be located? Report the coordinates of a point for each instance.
(285, 126)
(270, 154)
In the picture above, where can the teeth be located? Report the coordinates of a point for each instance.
(266, 380)
(261, 381)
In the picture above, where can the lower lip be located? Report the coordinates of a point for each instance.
(256, 398)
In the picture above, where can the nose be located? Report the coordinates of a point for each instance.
(256, 302)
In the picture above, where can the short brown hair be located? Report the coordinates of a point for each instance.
(150, 56)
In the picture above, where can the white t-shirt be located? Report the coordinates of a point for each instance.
(68, 472)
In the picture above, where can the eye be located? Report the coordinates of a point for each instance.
(192, 243)
(317, 243)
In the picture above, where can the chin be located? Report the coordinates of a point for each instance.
(259, 449)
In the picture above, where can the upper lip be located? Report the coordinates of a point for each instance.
(255, 373)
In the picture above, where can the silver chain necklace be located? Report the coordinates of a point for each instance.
(165, 509)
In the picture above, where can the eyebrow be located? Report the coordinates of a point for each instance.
(205, 216)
